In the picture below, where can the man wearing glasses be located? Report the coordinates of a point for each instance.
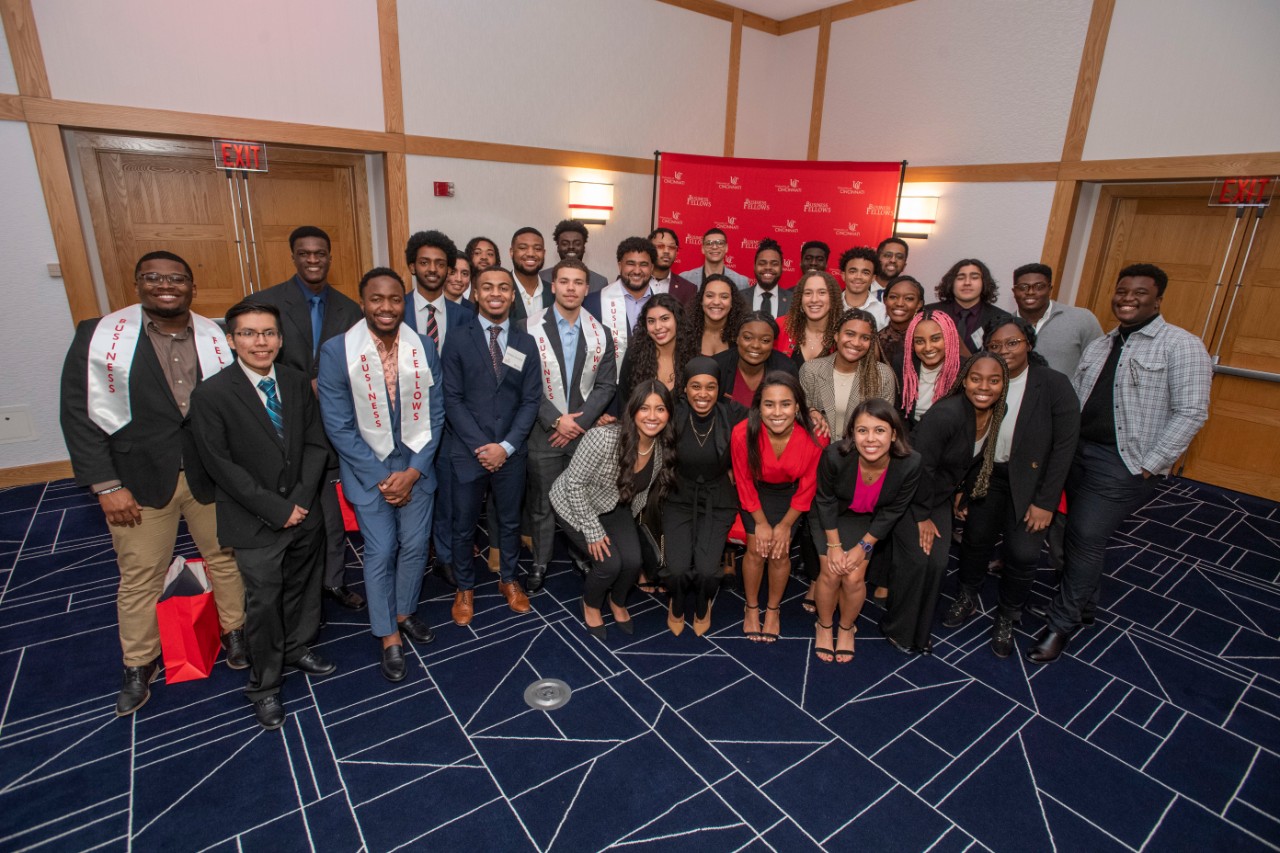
(1062, 331)
(126, 393)
(311, 312)
(258, 429)
(714, 248)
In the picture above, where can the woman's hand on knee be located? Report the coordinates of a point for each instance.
(599, 549)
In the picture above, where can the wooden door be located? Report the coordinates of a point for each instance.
(147, 194)
(1203, 250)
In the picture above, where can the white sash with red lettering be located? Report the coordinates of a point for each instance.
(111, 351)
(369, 390)
(553, 371)
(613, 313)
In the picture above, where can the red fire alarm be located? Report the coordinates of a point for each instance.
(444, 189)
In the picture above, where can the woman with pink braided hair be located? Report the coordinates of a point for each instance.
(927, 376)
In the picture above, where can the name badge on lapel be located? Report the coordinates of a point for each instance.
(513, 359)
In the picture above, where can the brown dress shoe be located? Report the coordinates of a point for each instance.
(464, 606)
(516, 599)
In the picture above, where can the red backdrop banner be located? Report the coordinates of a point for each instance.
(842, 204)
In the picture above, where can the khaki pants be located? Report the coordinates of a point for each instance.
(144, 553)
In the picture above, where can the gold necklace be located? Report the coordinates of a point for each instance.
(645, 452)
(701, 437)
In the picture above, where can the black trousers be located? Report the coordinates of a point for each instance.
(916, 579)
(989, 518)
(613, 576)
(335, 536)
(282, 603)
(694, 543)
(541, 472)
(506, 489)
(808, 550)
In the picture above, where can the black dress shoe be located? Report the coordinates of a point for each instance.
(444, 571)
(582, 566)
(237, 649)
(393, 666)
(313, 664)
(534, 579)
(1049, 648)
(136, 688)
(1002, 637)
(926, 649)
(345, 597)
(269, 712)
(960, 611)
(417, 630)
(899, 647)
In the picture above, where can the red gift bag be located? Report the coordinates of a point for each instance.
(349, 522)
(190, 635)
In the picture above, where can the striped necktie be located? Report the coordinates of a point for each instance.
(494, 352)
(433, 329)
(274, 410)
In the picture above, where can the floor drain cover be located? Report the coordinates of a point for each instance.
(547, 694)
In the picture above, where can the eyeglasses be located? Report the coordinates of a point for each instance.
(250, 334)
(1039, 287)
(1006, 346)
(155, 279)
(715, 244)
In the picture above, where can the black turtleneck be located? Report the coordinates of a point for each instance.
(1098, 417)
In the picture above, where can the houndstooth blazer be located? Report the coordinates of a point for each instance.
(589, 486)
(817, 378)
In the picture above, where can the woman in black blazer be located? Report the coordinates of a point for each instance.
(865, 483)
(957, 434)
(1033, 452)
(752, 357)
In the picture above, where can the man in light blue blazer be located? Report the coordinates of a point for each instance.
(382, 406)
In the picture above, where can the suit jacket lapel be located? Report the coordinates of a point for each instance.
(298, 313)
(553, 337)
(147, 357)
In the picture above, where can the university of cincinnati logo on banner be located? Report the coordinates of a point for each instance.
(755, 204)
(851, 231)
(730, 223)
(854, 188)
(675, 179)
(733, 183)
(879, 210)
(750, 245)
(788, 228)
(788, 266)
(816, 207)
(673, 219)
(791, 186)
(698, 201)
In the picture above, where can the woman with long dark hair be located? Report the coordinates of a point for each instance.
(956, 435)
(699, 511)
(616, 470)
(930, 372)
(865, 483)
(752, 356)
(903, 299)
(775, 460)
(714, 316)
(1034, 447)
(809, 329)
(835, 384)
(652, 352)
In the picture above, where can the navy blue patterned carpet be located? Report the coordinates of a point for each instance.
(1159, 730)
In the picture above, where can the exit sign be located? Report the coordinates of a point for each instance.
(240, 155)
(1242, 192)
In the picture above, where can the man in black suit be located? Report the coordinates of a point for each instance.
(311, 312)
(258, 429)
(492, 390)
(125, 422)
(570, 237)
(968, 294)
(576, 390)
(765, 295)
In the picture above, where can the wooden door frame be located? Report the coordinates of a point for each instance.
(88, 143)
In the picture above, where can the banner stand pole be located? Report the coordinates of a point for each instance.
(902, 179)
(653, 210)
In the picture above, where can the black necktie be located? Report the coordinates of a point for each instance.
(766, 303)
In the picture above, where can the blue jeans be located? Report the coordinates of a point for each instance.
(1101, 493)
(395, 552)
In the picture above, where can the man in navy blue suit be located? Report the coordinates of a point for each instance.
(381, 402)
(430, 256)
(492, 392)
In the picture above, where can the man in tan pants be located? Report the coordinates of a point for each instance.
(126, 390)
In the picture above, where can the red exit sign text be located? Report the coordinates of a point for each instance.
(1242, 192)
(240, 155)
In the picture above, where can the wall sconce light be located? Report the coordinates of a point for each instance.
(916, 216)
(590, 203)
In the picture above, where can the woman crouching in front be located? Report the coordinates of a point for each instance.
(616, 470)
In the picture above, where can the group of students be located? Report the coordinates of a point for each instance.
(644, 418)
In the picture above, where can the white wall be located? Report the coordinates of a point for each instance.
(308, 61)
(613, 76)
(1182, 77)
(945, 82)
(36, 337)
(1001, 224)
(8, 81)
(775, 93)
(494, 199)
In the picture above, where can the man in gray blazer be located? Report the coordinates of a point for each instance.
(579, 375)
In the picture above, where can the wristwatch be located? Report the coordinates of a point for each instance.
(866, 546)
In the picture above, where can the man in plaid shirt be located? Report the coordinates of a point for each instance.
(1144, 393)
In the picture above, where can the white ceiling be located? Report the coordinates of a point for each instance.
(780, 10)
